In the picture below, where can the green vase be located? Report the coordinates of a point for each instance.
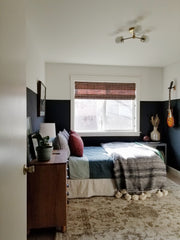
(44, 153)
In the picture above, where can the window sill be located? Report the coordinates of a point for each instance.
(120, 134)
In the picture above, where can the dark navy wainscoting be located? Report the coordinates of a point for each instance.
(148, 109)
(172, 135)
(58, 111)
(32, 110)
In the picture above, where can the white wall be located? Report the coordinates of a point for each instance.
(58, 78)
(35, 68)
(171, 73)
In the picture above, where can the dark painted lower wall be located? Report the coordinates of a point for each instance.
(172, 135)
(58, 111)
(147, 109)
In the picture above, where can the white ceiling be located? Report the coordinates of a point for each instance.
(84, 31)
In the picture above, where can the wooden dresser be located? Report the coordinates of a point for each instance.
(46, 193)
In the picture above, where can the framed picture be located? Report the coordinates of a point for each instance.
(33, 144)
(41, 101)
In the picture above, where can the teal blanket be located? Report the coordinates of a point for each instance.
(95, 163)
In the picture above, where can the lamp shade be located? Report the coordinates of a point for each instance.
(48, 129)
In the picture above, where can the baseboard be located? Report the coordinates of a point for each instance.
(173, 171)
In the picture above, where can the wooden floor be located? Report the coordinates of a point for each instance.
(174, 178)
(49, 234)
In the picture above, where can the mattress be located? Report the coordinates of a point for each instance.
(95, 164)
(95, 174)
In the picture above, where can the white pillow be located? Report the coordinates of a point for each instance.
(66, 134)
(63, 143)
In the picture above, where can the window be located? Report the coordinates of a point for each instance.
(104, 108)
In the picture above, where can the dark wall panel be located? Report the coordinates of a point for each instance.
(95, 141)
(172, 135)
(32, 110)
(148, 109)
(58, 111)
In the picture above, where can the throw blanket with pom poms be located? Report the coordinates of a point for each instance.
(137, 167)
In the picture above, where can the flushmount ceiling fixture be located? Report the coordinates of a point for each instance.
(134, 33)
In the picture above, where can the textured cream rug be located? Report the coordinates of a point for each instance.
(108, 218)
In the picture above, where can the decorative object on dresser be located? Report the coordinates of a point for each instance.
(44, 149)
(155, 134)
(46, 193)
(48, 129)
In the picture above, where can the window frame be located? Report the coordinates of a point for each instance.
(106, 78)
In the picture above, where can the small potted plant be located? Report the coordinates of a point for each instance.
(44, 149)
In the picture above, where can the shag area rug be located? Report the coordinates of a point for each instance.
(109, 218)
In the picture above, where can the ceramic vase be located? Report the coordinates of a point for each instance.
(44, 153)
(155, 135)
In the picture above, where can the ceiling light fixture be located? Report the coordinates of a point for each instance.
(133, 32)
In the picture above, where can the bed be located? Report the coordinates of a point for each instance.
(103, 170)
(92, 174)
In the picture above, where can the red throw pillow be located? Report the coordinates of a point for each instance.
(71, 131)
(76, 145)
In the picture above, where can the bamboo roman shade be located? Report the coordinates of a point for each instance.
(105, 90)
